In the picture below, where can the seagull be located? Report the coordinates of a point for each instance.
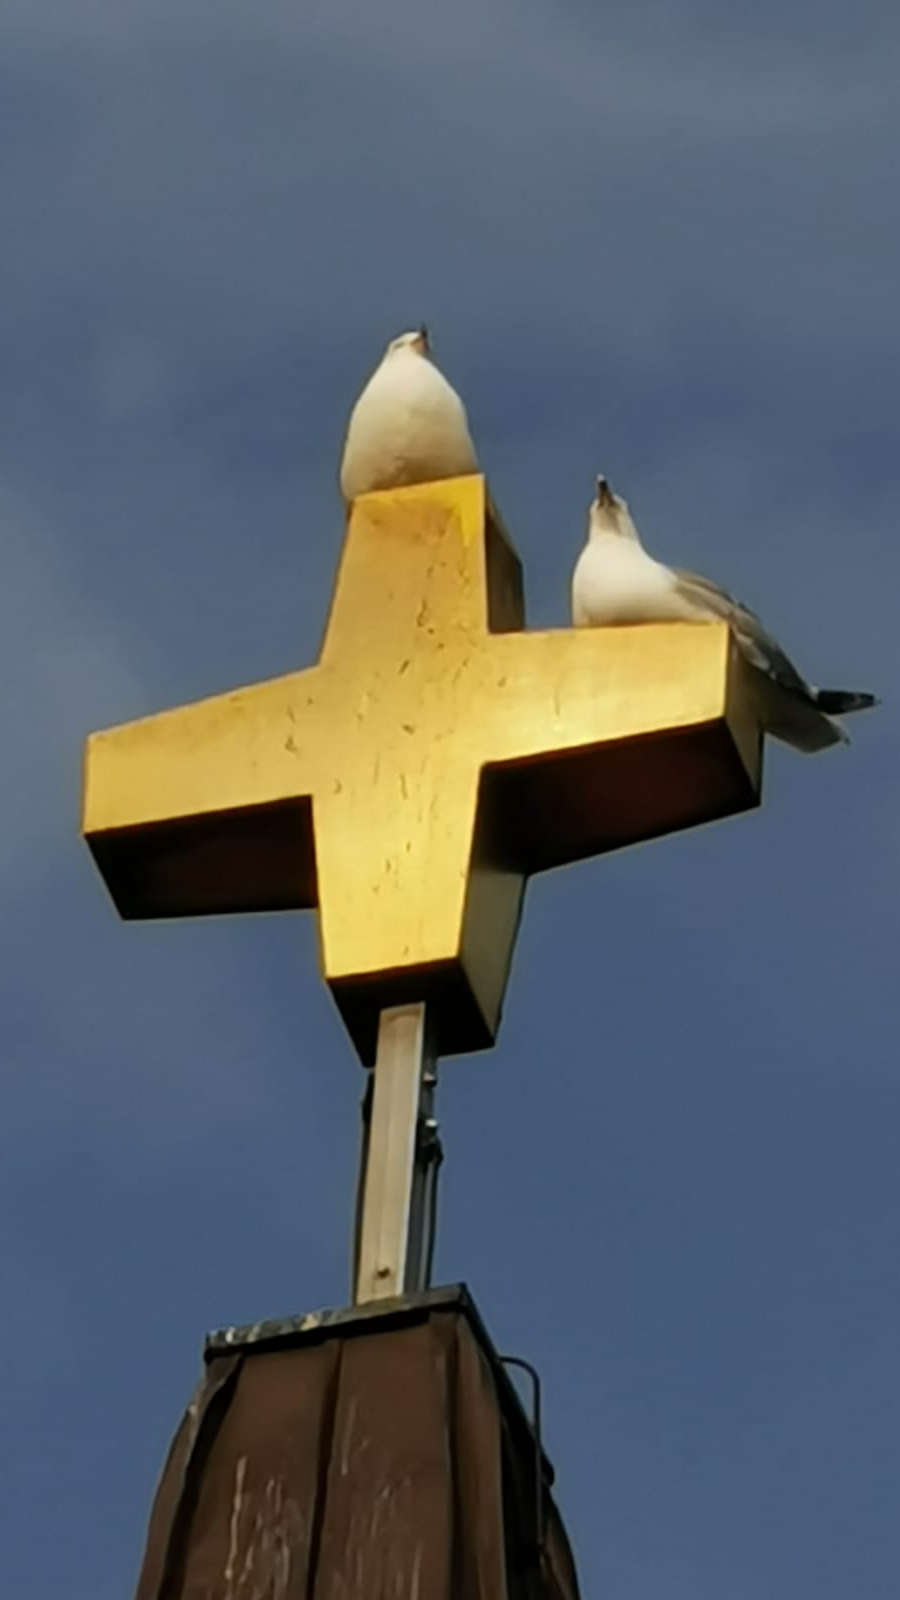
(615, 581)
(408, 425)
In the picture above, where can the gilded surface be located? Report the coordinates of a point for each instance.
(409, 782)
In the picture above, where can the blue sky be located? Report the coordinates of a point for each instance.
(656, 241)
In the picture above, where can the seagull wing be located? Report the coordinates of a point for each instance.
(760, 649)
(789, 704)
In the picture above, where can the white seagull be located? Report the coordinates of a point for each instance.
(615, 581)
(408, 425)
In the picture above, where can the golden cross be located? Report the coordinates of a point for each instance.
(437, 755)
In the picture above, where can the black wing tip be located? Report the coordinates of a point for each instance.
(836, 702)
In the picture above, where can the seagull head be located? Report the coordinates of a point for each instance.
(415, 341)
(609, 512)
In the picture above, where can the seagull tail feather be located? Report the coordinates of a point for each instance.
(835, 702)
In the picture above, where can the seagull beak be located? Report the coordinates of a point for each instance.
(604, 493)
(421, 344)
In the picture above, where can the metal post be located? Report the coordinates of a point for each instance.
(400, 1156)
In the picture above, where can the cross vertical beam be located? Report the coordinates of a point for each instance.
(400, 1157)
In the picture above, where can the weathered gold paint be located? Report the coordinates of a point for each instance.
(435, 756)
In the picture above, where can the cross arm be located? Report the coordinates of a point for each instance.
(199, 809)
(606, 736)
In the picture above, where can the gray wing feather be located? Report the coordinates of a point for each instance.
(764, 652)
(795, 711)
